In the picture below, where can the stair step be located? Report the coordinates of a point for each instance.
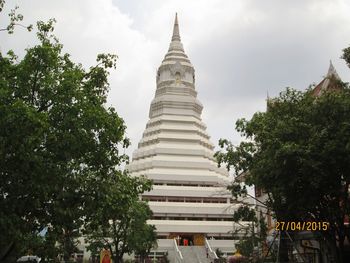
(194, 254)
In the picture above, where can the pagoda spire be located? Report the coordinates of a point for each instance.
(332, 71)
(176, 32)
(175, 43)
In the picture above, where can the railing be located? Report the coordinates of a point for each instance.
(178, 254)
(212, 254)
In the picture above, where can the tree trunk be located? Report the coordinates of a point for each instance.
(283, 248)
(335, 251)
(117, 258)
(340, 250)
(66, 256)
(6, 251)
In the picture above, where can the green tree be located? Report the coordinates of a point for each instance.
(57, 139)
(118, 222)
(252, 235)
(15, 20)
(298, 151)
(144, 236)
(346, 55)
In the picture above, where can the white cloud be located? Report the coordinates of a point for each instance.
(240, 49)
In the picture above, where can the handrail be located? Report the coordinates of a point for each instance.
(212, 253)
(178, 254)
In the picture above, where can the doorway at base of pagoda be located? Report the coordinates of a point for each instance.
(188, 239)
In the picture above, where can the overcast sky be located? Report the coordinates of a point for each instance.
(240, 49)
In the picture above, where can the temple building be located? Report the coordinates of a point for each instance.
(329, 83)
(189, 200)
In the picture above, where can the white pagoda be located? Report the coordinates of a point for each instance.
(189, 200)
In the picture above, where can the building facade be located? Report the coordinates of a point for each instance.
(189, 199)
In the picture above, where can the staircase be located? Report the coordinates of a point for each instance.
(194, 254)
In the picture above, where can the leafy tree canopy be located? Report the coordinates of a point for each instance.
(298, 151)
(346, 55)
(59, 149)
(119, 220)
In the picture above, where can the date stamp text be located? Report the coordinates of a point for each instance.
(301, 226)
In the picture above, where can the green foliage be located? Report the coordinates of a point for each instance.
(255, 233)
(144, 236)
(59, 157)
(249, 236)
(237, 189)
(118, 221)
(298, 151)
(15, 20)
(43, 246)
(244, 213)
(245, 246)
(346, 55)
(57, 142)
